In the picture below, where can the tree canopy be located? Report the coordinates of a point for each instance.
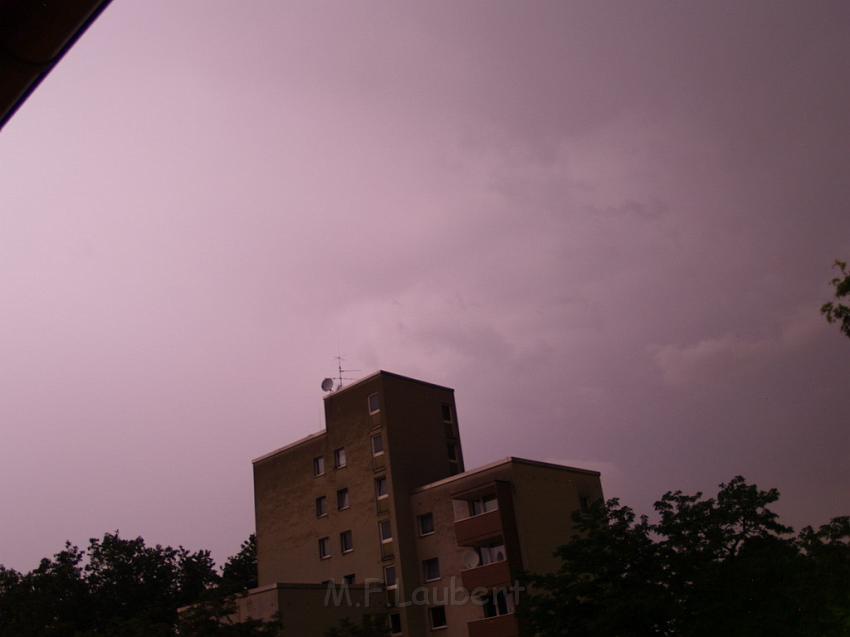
(123, 587)
(835, 311)
(713, 566)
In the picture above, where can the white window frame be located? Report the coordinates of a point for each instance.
(318, 460)
(482, 503)
(347, 495)
(394, 585)
(381, 523)
(432, 560)
(389, 619)
(377, 436)
(324, 548)
(340, 459)
(369, 403)
(419, 524)
(386, 493)
(493, 597)
(431, 617)
(350, 536)
(324, 500)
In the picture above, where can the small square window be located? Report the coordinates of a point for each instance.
(346, 542)
(426, 524)
(395, 624)
(318, 466)
(381, 487)
(321, 506)
(339, 458)
(342, 501)
(431, 569)
(389, 577)
(374, 404)
(324, 547)
(348, 580)
(377, 445)
(386, 531)
(438, 616)
(447, 412)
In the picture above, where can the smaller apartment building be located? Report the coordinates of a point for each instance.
(381, 500)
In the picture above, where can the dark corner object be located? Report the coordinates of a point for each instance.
(34, 35)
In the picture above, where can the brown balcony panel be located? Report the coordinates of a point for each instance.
(480, 527)
(504, 626)
(488, 576)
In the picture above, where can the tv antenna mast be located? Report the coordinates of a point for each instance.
(328, 383)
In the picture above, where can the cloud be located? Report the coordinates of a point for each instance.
(727, 354)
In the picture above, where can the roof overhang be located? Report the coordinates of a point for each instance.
(33, 38)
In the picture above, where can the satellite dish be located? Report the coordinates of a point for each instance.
(328, 384)
(470, 559)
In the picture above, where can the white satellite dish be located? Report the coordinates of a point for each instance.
(470, 558)
(328, 384)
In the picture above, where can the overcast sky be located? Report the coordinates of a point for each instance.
(609, 226)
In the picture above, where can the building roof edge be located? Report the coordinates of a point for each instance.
(291, 445)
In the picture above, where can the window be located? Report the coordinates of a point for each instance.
(377, 445)
(438, 616)
(451, 450)
(483, 505)
(342, 502)
(346, 542)
(491, 553)
(385, 530)
(584, 503)
(348, 580)
(324, 547)
(381, 487)
(395, 624)
(321, 506)
(426, 524)
(497, 603)
(318, 466)
(374, 404)
(431, 569)
(339, 458)
(389, 577)
(447, 412)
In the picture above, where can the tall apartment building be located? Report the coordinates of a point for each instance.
(382, 495)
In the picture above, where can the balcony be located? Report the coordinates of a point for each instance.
(487, 576)
(502, 626)
(479, 527)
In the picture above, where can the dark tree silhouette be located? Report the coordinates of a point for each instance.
(835, 311)
(123, 587)
(706, 567)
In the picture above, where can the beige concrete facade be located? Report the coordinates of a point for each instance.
(402, 501)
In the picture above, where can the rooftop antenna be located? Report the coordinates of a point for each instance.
(340, 372)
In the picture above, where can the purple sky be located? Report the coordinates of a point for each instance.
(608, 225)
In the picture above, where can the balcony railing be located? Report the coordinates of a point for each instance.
(478, 527)
(487, 576)
(502, 626)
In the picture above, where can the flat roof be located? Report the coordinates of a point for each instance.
(383, 372)
(499, 463)
(291, 445)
